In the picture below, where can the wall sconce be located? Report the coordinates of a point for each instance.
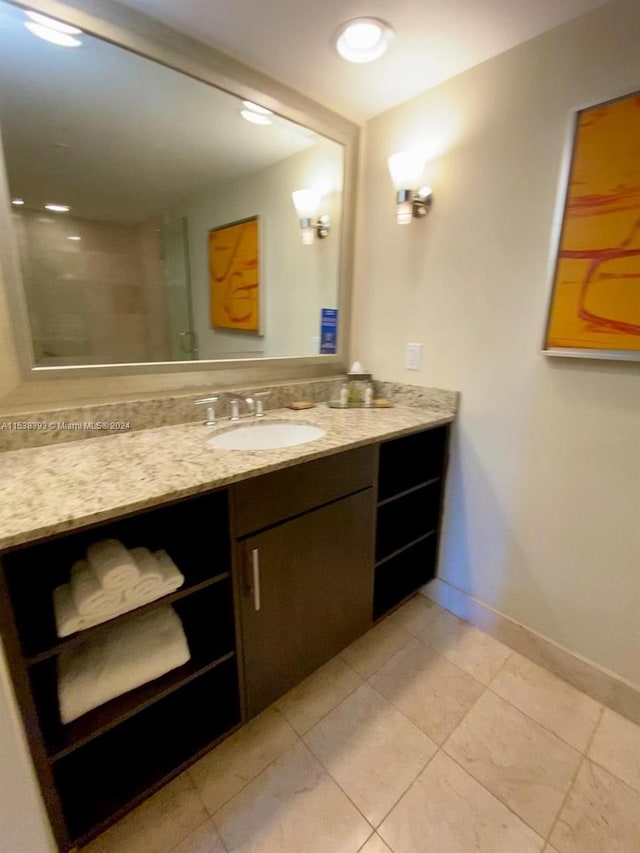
(406, 171)
(307, 204)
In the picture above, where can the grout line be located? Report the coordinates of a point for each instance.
(326, 714)
(496, 797)
(429, 760)
(547, 729)
(575, 775)
(249, 781)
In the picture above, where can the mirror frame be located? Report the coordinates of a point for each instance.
(133, 31)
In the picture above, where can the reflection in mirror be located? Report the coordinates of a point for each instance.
(152, 166)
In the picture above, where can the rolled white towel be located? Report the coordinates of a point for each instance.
(172, 577)
(119, 658)
(88, 594)
(148, 586)
(68, 620)
(112, 564)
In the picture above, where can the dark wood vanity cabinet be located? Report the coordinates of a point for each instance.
(96, 768)
(411, 480)
(305, 580)
(282, 572)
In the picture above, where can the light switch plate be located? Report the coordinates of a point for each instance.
(413, 356)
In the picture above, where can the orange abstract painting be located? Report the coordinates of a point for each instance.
(595, 303)
(234, 276)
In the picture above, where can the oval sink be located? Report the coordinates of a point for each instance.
(265, 436)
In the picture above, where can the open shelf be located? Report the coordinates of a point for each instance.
(407, 518)
(195, 533)
(82, 636)
(411, 460)
(411, 476)
(400, 576)
(207, 619)
(100, 780)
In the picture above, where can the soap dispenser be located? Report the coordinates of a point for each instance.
(359, 381)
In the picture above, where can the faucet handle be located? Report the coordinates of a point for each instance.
(259, 399)
(209, 402)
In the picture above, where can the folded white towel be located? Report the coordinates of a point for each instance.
(172, 577)
(112, 564)
(151, 577)
(118, 659)
(68, 621)
(88, 594)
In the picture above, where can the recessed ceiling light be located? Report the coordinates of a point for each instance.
(17, 201)
(363, 39)
(74, 237)
(46, 21)
(255, 108)
(51, 35)
(58, 208)
(255, 118)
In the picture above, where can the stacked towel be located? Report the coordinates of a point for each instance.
(112, 564)
(149, 578)
(89, 596)
(83, 603)
(118, 659)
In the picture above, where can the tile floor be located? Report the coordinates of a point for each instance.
(425, 735)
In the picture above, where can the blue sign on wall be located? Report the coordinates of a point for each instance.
(328, 330)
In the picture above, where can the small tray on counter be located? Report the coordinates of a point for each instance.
(377, 404)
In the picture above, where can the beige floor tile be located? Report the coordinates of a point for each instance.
(308, 703)
(240, 758)
(413, 615)
(372, 751)
(525, 766)
(158, 825)
(553, 703)
(204, 840)
(616, 746)
(293, 807)
(601, 815)
(447, 811)
(375, 845)
(477, 653)
(429, 690)
(375, 648)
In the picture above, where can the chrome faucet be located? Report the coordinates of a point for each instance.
(255, 405)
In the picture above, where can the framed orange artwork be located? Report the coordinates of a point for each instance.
(594, 311)
(234, 276)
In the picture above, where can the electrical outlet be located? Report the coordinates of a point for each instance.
(413, 356)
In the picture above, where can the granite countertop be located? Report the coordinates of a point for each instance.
(47, 490)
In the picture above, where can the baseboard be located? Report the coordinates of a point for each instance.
(604, 686)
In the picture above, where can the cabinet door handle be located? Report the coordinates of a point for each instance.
(255, 562)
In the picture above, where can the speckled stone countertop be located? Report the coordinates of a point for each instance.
(47, 490)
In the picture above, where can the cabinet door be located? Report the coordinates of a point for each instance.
(307, 588)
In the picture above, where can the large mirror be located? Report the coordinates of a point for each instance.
(153, 212)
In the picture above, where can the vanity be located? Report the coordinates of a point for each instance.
(288, 556)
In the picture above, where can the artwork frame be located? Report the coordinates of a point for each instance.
(235, 289)
(594, 300)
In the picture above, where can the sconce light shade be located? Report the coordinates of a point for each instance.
(306, 202)
(307, 205)
(406, 169)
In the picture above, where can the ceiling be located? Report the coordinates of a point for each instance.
(118, 137)
(291, 40)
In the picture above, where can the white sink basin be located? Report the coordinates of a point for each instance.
(265, 436)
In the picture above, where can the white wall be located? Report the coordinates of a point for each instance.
(295, 280)
(25, 828)
(543, 515)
